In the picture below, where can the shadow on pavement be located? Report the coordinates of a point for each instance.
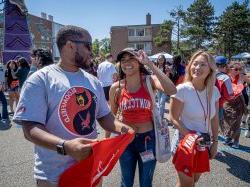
(239, 167)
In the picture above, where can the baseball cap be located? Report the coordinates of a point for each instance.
(220, 60)
(128, 50)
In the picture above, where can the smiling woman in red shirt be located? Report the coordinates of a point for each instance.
(130, 99)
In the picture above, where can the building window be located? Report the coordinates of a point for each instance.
(140, 32)
(140, 46)
(137, 45)
(131, 45)
(131, 32)
(148, 46)
(136, 32)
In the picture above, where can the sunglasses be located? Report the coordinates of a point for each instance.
(88, 45)
(237, 69)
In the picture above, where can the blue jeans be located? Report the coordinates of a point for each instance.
(131, 156)
(5, 114)
(162, 98)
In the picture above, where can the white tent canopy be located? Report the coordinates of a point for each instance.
(167, 56)
(241, 56)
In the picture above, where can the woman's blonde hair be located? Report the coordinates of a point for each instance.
(210, 80)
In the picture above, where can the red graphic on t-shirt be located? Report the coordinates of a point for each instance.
(77, 111)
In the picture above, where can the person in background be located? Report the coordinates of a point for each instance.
(246, 98)
(190, 112)
(39, 59)
(22, 71)
(130, 98)
(161, 63)
(92, 69)
(107, 74)
(235, 108)
(177, 71)
(12, 84)
(4, 116)
(247, 133)
(224, 85)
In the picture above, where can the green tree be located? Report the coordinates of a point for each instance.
(165, 33)
(105, 46)
(95, 47)
(233, 29)
(178, 15)
(199, 22)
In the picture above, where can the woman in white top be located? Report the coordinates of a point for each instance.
(189, 107)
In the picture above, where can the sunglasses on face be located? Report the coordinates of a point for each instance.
(237, 69)
(88, 45)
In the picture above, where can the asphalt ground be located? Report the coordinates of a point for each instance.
(230, 168)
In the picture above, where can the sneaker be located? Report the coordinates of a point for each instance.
(243, 124)
(247, 133)
(6, 122)
(236, 145)
(228, 141)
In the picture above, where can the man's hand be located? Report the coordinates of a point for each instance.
(126, 129)
(79, 148)
(129, 130)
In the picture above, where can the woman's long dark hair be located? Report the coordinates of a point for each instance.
(8, 73)
(164, 63)
(23, 63)
(175, 74)
(8, 65)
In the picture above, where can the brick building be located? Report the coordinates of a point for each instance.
(137, 36)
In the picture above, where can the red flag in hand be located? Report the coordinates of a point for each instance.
(88, 172)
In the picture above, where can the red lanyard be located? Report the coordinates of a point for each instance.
(203, 108)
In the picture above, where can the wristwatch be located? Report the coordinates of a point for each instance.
(60, 148)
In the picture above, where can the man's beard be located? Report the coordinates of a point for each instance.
(80, 62)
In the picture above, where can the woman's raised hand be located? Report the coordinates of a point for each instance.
(143, 58)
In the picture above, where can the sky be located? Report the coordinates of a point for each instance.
(97, 16)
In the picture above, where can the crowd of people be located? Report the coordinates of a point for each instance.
(13, 76)
(59, 106)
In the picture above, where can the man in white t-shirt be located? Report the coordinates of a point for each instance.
(107, 74)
